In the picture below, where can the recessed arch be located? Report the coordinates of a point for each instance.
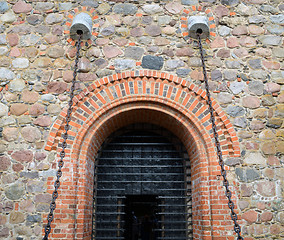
(150, 97)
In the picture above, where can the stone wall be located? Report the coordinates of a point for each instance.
(244, 58)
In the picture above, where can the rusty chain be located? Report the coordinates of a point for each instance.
(50, 216)
(228, 192)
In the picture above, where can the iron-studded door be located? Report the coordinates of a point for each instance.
(142, 187)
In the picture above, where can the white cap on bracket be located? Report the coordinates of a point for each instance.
(82, 24)
(198, 25)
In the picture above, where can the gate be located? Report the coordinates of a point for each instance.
(142, 186)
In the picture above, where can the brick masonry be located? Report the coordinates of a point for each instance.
(141, 66)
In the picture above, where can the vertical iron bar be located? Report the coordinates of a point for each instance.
(228, 192)
(50, 216)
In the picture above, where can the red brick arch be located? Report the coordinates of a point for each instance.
(151, 97)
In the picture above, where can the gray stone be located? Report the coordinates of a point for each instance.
(182, 72)
(278, 52)
(134, 52)
(47, 97)
(237, 87)
(43, 30)
(15, 191)
(164, 20)
(152, 8)
(173, 64)
(3, 40)
(42, 207)
(3, 110)
(224, 98)
(145, 40)
(232, 161)
(20, 63)
(230, 75)
(270, 40)
(233, 64)
(189, 2)
(235, 111)
(122, 64)
(90, 3)
(8, 17)
(269, 9)
(255, 63)
(53, 18)
(275, 29)
(224, 31)
(35, 186)
(7, 120)
(152, 62)
(20, 29)
(230, 2)
(125, 9)
(247, 174)
(29, 40)
(4, 7)
(44, 6)
(147, 20)
(103, 8)
(24, 119)
(2, 28)
(216, 75)
(54, 108)
(255, 158)
(257, 19)
(31, 175)
(107, 31)
(65, 6)
(34, 19)
(3, 51)
(17, 85)
(278, 19)
(259, 74)
(48, 173)
(194, 62)
(240, 122)
(34, 218)
(103, 72)
(256, 87)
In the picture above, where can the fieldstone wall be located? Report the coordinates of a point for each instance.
(244, 58)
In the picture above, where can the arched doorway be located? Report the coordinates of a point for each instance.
(142, 186)
(149, 97)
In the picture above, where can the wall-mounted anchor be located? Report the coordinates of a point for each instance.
(198, 25)
(81, 25)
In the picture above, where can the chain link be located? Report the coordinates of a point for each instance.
(228, 192)
(62, 154)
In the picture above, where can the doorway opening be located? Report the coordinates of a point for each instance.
(141, 219)
(142, 186)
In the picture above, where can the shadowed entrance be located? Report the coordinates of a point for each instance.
(141, 192)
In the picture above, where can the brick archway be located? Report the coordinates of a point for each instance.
(151, 97)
